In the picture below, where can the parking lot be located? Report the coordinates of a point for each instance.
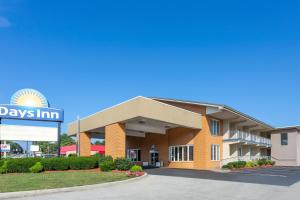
(281, 176)
(277, 183)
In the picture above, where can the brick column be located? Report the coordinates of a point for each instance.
(85, 144)
(115, 140)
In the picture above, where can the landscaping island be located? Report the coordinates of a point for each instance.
(49, 180)
(24, 174)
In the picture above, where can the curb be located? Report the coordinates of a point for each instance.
(21, 194)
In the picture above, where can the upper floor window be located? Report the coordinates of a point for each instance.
(284, 139)
(214, 127)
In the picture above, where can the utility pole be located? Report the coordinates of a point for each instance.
(78, 136)
(58, 138)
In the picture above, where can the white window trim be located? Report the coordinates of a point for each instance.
(176, 158)
(217, 153)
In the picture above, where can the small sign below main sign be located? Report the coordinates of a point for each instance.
(5, 147)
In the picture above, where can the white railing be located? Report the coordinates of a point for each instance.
(249, 137)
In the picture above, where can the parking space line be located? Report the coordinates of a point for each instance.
(262, 174)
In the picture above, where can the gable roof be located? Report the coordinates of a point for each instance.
(219, 106)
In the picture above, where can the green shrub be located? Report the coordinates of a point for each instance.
(2, 161)
(107, 165)
(57, 163)
(72, 155)
(236, 164)
(136, 168)
(250, 164)
(225, 167)
(103, 158)
(270, 162)
(123, 164)
(262, 162)
(76, 163)
(4, 168)
(37, 168)
(21, 165)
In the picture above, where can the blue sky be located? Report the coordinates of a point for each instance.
(87, 56)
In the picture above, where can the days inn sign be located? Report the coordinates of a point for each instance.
(31, 113)
(30, 104)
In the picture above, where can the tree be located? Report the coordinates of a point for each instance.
(15, 147)
(100, 142)
(66, 140)
(48, 147)
(51, 147)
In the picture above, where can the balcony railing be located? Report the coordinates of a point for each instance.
(244, 136)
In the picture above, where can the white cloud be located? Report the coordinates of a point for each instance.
(4, 22)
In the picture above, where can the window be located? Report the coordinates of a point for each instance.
(215, 152)
(214, 127)
(284, 139)
(181, 153)
(134, 155)
(240, 152)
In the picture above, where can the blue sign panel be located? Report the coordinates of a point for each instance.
(31, 113)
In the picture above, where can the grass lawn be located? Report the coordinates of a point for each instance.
(47, 180)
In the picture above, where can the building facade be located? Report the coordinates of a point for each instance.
(286, 146)
(175, 133)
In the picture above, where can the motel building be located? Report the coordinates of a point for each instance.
(173, 133)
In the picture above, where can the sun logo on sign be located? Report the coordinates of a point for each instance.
(30, 98)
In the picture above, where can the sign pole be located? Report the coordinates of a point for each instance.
(4, 153)
(58, 138)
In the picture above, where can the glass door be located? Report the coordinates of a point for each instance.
(154, 158)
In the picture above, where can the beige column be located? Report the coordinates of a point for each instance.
(85, 144)
(115, 140)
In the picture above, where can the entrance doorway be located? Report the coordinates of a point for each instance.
(154, 158)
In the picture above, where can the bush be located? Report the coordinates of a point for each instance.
(103, 158)
(262, 162)
(250, 164)
(58, 163)
(225, 167)
(37, 168)
(21, 165)
(270, 162)
(72, 155)
(123, 164)
(4, 168)
(107, 165)
(2, 161)
(136, 168)
(235, 165)
(83, 163)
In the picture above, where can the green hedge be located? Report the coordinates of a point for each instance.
(242, 164)
(20, 165)
(37, 168)
(123, 164)
(83, 162)
(107, 165)
(57, 163)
